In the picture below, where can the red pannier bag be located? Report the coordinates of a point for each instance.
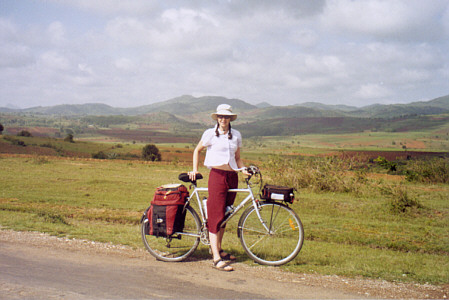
(166, 215)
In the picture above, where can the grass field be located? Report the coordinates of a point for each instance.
(347, 233)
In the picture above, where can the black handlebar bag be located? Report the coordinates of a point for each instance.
(278, 193)
(166, 215)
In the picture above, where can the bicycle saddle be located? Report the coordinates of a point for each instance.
(185, 177)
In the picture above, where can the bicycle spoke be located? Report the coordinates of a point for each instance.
(180, 245)
(257, 231)
(278, 246)
(257, 242)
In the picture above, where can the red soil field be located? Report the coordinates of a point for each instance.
(35, 131)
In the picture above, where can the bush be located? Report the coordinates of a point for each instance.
(151, 152)
(24, 133)
(69, 138)
(318, 174)
(401, 201)
(99, 155)
(389, 165)
(434, 170)
(14, 141)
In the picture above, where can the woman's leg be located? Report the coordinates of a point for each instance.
(215, 245)
(220, 237)
(216, 203)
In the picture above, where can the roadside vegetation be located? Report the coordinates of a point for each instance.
(374, 217)
(373, 204)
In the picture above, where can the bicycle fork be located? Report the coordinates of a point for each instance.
(258, 208)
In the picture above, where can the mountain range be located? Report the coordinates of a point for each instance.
(188, 105)
(263, 119)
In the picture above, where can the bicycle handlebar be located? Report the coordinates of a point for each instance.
(185, 176)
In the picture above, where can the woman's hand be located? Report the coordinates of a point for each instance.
(192, 175)
(245, 172)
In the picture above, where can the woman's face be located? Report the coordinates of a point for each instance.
(224, 121)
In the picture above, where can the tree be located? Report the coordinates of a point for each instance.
(69, 138)
(151, 152)
(1, 128)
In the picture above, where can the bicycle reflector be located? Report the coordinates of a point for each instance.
(292, 225)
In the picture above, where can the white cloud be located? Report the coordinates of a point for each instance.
(188, 20)
(284, 52)
(125, 64)
(56, 32)
(8, 30)
(372, 91)
(54, 60)
(379, 19)
(15, 56)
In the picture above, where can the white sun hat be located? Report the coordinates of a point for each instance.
(224, 110)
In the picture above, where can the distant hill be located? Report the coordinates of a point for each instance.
(330, 125)
(263, 105)
(441, 102)
(321, 106)
(293, 112)
(391, 111)
(147, 119)
(188, 112)
(183, 106)
(188, 105)
(73, 109)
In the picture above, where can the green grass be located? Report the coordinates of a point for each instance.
(375, 141)
(346, 234)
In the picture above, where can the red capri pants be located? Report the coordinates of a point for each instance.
(219, 183)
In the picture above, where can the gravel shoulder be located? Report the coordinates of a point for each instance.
(102, 270)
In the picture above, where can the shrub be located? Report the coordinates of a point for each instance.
(319, 174)
(69, 138)
(151, 152)
(113, 155)
(128, 156)
(401, 201)
(24, 133)
(389, 165)
(14, 141)
(435, 170)
(99, 155)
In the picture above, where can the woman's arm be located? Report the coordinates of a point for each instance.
(196, 155)
(240, 163)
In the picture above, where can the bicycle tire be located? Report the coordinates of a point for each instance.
(178, 246)
(279, 245)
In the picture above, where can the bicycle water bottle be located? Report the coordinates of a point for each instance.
(205, 206)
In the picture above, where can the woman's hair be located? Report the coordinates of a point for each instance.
(217, 133)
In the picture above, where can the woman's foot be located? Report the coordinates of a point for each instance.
(227, 256)
(221, 265)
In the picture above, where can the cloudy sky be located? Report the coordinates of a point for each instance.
(137, 52)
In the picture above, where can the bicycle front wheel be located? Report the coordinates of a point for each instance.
(276, 238)
(180, 245)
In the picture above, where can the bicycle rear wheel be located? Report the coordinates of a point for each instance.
(179, 245)
(279, 242)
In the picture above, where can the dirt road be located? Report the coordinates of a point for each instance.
(38, 266)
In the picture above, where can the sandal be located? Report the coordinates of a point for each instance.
(225, 267)
(227, 256)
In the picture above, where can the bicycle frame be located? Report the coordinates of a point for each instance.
(262, 227)
(250, 197)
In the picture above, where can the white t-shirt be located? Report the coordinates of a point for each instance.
(221, 150)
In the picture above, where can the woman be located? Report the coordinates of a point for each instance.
(223, 158)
